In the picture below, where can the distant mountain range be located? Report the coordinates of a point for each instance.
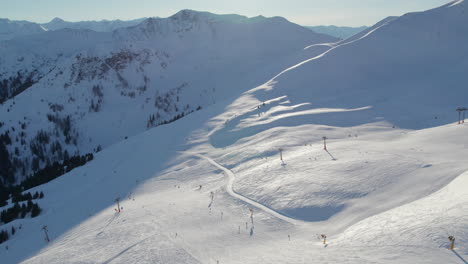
(338, 32)
(82, 90)
(99, 26)
(10, 29)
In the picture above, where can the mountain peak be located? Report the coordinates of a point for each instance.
(57, 20)
(190, 15)
(186, 13)
(193, 15)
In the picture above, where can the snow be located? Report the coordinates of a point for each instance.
(188, 60)
(230, 191)
(457, 2)
(336, 31)
(145, 231)
(390, 188)
(11, 29)
(99, 26)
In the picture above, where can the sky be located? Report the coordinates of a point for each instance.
(303, 12)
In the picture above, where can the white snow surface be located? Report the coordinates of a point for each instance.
(162, 67)
(337, 31)
(390, 188)
(11, 29)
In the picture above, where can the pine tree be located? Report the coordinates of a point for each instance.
(3, 236)
(27, 196)
(24, 210)
(36, 210)
(30, 205)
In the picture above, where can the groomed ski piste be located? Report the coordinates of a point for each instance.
(390, 187)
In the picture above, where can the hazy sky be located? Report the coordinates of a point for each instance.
(304, 12)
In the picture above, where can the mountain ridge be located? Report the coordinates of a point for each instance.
(356, 141)
(337, 31)
(153, 73)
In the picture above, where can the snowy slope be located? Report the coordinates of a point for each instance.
(369, 30)
(338, 32)
(389, 189)
(411, 61)
(155, 210)
(11, 29)
(112, 85)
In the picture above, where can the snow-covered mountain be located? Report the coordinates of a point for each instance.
(10, 29)
(338, 32)
(99, 26)
(92, 89)
(251, 178)
(411, 61)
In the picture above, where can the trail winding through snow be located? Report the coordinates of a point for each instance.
(333, 47)
(231, 192)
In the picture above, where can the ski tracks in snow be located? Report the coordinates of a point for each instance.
(231, 192)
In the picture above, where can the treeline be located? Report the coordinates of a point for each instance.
(152, 118)
(20, 211)
(55, 170)
(48, 173)
(4, 194)
(15, 85)
(4, 236)
(7, 168)
(20, 197)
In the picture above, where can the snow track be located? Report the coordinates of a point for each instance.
(231, 192)
(333, 47)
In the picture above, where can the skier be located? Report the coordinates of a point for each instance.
(324, 237)
(452, 240)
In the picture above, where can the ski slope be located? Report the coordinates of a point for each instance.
(157, 206)
(231, 192)
(390, 188)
